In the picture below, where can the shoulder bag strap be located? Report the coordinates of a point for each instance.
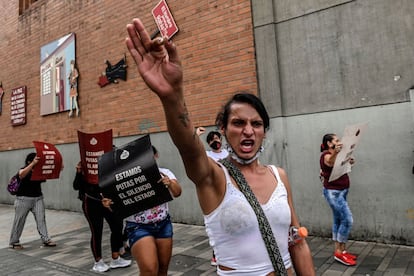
(264, 226)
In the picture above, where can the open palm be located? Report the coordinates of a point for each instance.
(157, 60)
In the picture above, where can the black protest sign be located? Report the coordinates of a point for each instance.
(129, 176)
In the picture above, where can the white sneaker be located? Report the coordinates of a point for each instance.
(115, 263)
(100, 266)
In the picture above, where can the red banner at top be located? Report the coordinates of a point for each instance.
(164, 19)
(91, 147)
(50, 163)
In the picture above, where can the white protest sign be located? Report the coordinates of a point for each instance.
(352, 135)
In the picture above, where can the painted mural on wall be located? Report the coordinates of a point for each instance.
(58, 80)
(73, 83)
(113, 72)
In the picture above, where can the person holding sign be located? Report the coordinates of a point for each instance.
(335, 193)
(150, 232)
(230, 215)
(29, 198)
(95, 213)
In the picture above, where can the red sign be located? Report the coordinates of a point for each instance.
(91, 147)
(164, 19)
(18, 106)
(50, 163)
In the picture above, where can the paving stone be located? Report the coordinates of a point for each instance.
(191, 252)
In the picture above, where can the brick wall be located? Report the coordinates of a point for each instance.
(215, 42)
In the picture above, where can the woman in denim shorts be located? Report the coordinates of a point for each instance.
(150, 232)
(335, 193)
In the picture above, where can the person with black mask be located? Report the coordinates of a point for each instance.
(216, 153)
(214, 140)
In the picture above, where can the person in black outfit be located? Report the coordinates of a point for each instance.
(29, 197)
(95, 214)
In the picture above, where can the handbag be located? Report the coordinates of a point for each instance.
(14, 184)
(264, 226)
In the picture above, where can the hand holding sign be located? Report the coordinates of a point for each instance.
(344, 159)
(128, 176)
(107, 202)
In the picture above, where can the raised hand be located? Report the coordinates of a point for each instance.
(157, 60)
(200, 131)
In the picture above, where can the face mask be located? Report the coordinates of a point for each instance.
(215, 145)
(241, 161)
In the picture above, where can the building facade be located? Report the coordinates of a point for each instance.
(319, 66)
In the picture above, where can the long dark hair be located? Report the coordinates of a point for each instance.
(154, 150)
(29, 158)
(327, 138)
(243, 97)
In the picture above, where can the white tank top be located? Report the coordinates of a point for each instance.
(234, 232)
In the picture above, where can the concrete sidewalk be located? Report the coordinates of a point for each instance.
(191, 253)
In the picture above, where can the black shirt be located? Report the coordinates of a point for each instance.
(30, 188)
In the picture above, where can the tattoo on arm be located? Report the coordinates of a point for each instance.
(184, 118)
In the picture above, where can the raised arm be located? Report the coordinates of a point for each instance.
(25, 171)
(160, 67)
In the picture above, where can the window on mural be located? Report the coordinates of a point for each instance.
(25, 5)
